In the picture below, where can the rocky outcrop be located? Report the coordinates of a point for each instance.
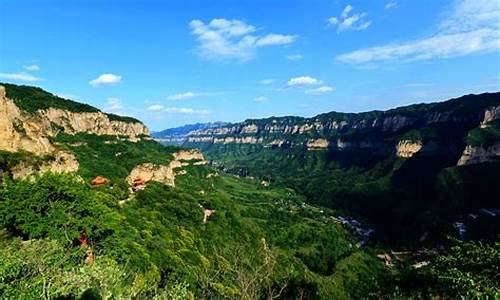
(275, 143)
(166, 173)
(20, 132)
(317, 144)
(189, 155)
(151, 172)
(479, 154)
(407, 148)
(62, 162)
(31, 132)
(490, 115)
(96, 123)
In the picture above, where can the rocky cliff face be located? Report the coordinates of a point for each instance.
(474, 154)
(422, 129)
(407, 148)
(490, 115)
(31, 132)
(18, 131)
(478, 154)
(166, 173)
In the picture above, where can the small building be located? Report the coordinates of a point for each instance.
(138, 184)
(83, 240)
(99, 181)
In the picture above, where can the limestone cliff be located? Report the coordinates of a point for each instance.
(166, 173)
(31, 131)
(20, 130)
(317, 144)
(406, 148)
(480, 154)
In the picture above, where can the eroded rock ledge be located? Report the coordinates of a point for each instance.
(407, 148)
(166, 173)
(479, 154)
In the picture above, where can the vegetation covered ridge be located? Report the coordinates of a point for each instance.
(31, 99)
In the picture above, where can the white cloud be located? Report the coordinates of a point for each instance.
(294, 57)
(182, 96)
(267, 81)
(32, 67)
(275, 39)
(232, 27)
(320, 91)
(303, 80)
(155, 107)
(106, 78)
(391, 4)
(472, 26)
(113, 104)
(332, 21)
(346, 21)
(346, 11)
(260, 99)
(19, 77)
(184, 110)
(232, 39)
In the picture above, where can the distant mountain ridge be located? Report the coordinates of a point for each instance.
(402, 131)
(178, 135)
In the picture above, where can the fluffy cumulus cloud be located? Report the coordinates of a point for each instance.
(182, 96)
(32, 67)
(349, 20)
(223, 39)
(19, 77)
(105, 79)
(260, 99)
(303, 81)
(320, 91)
(472, 26)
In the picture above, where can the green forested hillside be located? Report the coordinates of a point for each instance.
(258, 243)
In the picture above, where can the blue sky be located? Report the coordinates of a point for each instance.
(169, 63)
